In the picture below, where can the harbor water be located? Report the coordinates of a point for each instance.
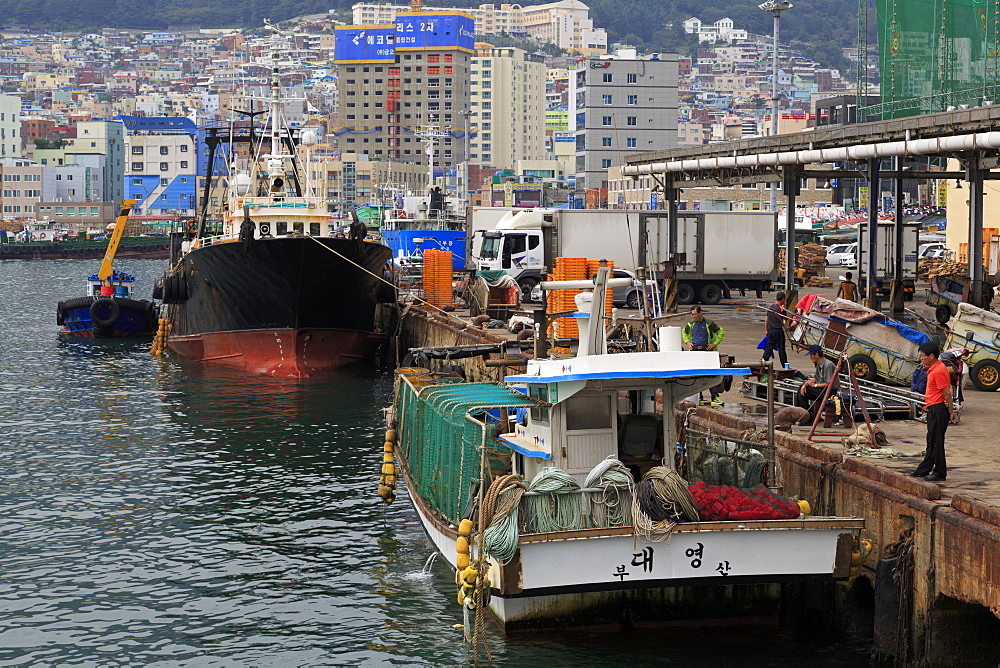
(154, 512)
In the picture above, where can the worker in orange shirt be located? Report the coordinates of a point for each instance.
(940, 413)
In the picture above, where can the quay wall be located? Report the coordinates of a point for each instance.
(951, 602)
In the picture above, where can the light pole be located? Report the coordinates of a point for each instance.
(465, 113)
(776, 8)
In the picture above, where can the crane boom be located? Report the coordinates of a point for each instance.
(105, 272)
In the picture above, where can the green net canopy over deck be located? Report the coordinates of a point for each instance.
(936, 53)
(442, 445)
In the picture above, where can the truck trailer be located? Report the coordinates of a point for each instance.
(711, 253)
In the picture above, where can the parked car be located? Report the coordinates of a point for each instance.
(835, 253)
(933, 249)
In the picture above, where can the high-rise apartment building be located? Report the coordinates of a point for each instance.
(565, 23)
(620, 106)
(10, 126)
(507, 107)
(401, 86)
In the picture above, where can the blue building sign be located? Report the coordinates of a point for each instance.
(366, 44)
(435, 30)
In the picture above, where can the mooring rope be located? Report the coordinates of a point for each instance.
(500, 517)
(554, 510)
(613, 506)
(661, 501)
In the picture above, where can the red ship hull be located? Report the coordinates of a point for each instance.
(289, 353)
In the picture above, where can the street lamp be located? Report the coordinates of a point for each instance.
(465, 112)
(776, 8)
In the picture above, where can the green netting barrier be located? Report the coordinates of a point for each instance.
(934, 54)
(440, 443)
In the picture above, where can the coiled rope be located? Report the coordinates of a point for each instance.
(661, 501)
(555, 509)
(500, 517)
(612, 507)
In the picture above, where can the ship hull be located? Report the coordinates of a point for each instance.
(67, 251)
(288, 306)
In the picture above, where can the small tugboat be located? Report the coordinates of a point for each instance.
(558, 499)
(108, 310)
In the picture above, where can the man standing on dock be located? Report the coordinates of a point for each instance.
(775, 330)
(701, 334)
(940, 412)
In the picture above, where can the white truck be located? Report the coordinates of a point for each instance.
(713, 252)
(885, 257)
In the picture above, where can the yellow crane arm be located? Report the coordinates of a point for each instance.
(105, 272)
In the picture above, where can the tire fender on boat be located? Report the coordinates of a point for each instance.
(34, 238)
(113, 311)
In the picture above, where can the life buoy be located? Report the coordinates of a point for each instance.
(41, 235)
(401, 214)
(34, 238)
(101, 320)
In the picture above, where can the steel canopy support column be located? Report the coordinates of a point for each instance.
(976, 192)
(896, 289)
(790, 185)
(672, 195)
(871, 271)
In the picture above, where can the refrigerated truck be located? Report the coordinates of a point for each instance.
(712, 254)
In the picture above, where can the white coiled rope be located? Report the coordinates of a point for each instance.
(613, 506)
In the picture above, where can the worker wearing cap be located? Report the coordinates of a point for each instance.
(814, 388)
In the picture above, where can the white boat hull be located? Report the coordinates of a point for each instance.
(592, 576)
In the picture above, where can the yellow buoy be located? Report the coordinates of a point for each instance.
(390, 435)
(465, 527)
(804, 507)
(387, 447)
(469, 575)
(461, 597)
(388, 458)
(462, 545)
(388, 469)
(462, 561)
(390, 480)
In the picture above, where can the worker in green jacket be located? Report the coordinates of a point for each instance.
(702, 334)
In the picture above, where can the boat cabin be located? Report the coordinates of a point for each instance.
(123, 283)
(590, 408)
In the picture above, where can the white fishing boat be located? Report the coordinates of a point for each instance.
(577, 514)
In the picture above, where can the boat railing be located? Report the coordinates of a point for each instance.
(216, 239)
(720, 460)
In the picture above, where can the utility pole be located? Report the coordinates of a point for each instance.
(465, 113)
(776, 8)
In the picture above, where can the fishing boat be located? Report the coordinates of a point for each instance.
(556, 495)
(275, 291)
(109, 309)
(418, 223)
(43, 240)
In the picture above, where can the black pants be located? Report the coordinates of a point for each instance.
(776, 341)
(937, 425)
(812, 395)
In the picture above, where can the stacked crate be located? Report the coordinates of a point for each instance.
(437, 275)
(567, 269)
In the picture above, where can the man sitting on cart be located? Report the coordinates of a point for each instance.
(812, 390)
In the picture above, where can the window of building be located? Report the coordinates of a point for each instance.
(605, 141)
(164, 182)
(184, 148)
(632, 78)
(164, 150)
(605, 164)
(184, 164)
(606, 99)
(631, 120)
(633, 99)
(136, 166)
(605, 120)
(164, 166)
(630, 142)
(606, 77)
(137, 150)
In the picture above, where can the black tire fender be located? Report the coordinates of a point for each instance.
(102, 321)
(985, 375)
